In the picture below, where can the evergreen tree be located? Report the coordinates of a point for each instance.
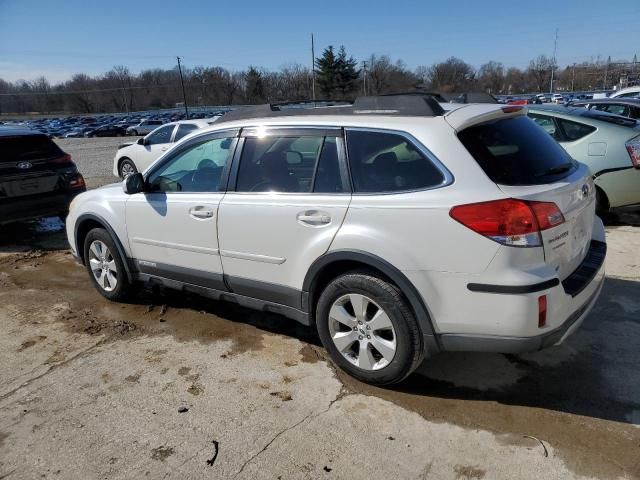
(347, 73)
(327, 77)
(254, 90)
(337, 73)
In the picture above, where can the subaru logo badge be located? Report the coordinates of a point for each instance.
(585, 190)
(24, 165)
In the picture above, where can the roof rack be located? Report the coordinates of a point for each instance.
(414, 105)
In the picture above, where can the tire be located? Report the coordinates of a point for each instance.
(126, 167)
(99, 246)
(362, 344)
(134, 133)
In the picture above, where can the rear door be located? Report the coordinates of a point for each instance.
(526, 163)
(287, 199)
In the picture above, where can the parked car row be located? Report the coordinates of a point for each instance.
(115, 125)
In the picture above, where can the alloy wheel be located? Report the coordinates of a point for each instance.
(103, 266)
(126, 169)
(362, 331)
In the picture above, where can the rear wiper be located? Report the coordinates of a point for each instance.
(565, 167)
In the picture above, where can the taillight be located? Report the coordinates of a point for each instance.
(633, 147)
(77, 181)
(509, 221)
(63, 160)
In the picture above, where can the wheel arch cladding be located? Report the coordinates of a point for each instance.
(88, 222)
(332, 264)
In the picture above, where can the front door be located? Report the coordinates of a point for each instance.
(172, 226)
(290, 198)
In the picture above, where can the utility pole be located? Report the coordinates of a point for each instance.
(606, 72)
(553, 64)
(313, 70)
(573, 76)
(184, 95)
(364, 79)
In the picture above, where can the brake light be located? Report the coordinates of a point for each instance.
(633, 147)
(77, 182)
(542, 311)
(512, 108)
(509, 221)
(64, 159)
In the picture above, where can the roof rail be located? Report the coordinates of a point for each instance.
(418, 105)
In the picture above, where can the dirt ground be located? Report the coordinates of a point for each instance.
(173, 386)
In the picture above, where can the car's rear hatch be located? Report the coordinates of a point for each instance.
(527, 164)
(31, 165)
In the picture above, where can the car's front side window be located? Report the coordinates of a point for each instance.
(388, 162)
(162, 135)
(197, 168)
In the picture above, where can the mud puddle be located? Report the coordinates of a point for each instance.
(37, 281)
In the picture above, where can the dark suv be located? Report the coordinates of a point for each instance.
(36, 178)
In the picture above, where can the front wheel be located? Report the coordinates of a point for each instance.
(127, 167)
(368, 328)
(106, 266)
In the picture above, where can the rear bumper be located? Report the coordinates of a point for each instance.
(16, 209)
(502, 317)
(505, 344)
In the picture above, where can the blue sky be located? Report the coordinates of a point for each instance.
(57, 38)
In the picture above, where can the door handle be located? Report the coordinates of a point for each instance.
(164, 149)
(201, 212)
(314, 218)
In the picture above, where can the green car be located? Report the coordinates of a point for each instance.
(608, 144)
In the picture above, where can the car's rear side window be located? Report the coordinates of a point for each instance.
(574, 130)
(515, 151)
(27, 147)
(388, 162)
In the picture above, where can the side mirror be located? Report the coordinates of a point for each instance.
(140, 141)
(133, 183)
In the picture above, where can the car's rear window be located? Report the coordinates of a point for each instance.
(515, 151)
(27, 147)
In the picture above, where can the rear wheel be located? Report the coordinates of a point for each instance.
(127, 167)
(106, 266)
(367, 327)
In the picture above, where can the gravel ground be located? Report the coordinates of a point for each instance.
(94, 157)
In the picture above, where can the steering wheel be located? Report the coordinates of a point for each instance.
(206, 163)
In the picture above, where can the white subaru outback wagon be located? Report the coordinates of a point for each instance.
(394, 228)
